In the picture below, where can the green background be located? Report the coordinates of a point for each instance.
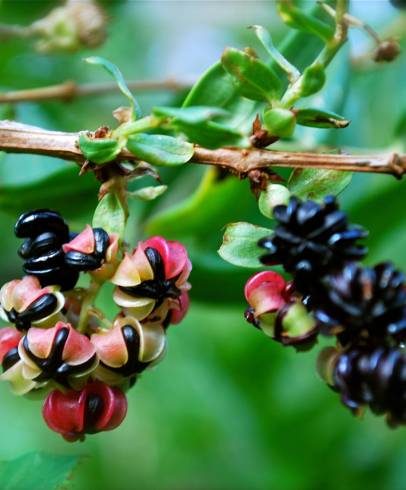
(228, 408)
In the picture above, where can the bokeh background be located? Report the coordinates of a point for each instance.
(228, 409)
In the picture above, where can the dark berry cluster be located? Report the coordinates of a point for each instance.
(363, 308)
(45, 232)
(61, 345)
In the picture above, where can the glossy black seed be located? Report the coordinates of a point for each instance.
(42, 244)
(133, 366)
(81, 262)
(11, 358)
(376, 378)
(156, 262)
(33, 223)
(363, 305)
(61, 276)
(49, 260)
(39, 309)
(93, 411)
(101, 239)
(158, 290)
(311, 239)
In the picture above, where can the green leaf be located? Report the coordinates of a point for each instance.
(190, 115)
(266, 40)
(320, 119)
(99, 150)
(255, 80)
(316, 184)
(110, 215)
(298, 19)
(148, 193)
(211, 134)
(159, 149)
(240, 244)
(313, 80)
(121, 83)
(37, 471)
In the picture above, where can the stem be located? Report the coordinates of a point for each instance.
(87, 305)
(69, 90)
(327, 54)
(21, 138)
(138, 126)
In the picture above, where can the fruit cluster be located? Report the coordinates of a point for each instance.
(330, 293)
(60, 346)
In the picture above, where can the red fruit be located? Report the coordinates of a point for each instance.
(96, 408)
(266, 292)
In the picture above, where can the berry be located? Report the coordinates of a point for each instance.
(87, 251)
(363, 304)
(128, 349)
(59, 353)
(375, 378)
(45, 232)
(153, 280)
(24, 303)
(33, 223)
(97, 407)
(311, 240)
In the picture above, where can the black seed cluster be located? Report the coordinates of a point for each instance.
(81, 262)
(376, 378)
(45, 232)
(363, 307)
(158, 288)
(311, 240)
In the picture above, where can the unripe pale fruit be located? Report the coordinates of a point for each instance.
(280, 122)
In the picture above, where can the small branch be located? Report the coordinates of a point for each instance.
(69, 90)
(20, 138)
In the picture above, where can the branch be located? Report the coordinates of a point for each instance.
(69, 90)
(20, 138)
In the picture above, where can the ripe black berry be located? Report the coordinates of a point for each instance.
(373, 377)
(45, 232)
(311, 240)
(363, 304)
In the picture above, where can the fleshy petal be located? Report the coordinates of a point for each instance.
(78, 348)
(64, 412)
(40, 341)
(127, 273)
(177, 261)
(141, 263)
(6, 294)
(178, 313)
(26, 292)
(9, 339)
(84, 242)
(110, 347)
(152, 341)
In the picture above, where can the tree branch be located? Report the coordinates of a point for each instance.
(69, 90)
(20, 138)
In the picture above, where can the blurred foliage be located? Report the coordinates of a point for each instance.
(228, 408)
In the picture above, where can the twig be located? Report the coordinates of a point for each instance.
(21, 138)
(69, 90)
